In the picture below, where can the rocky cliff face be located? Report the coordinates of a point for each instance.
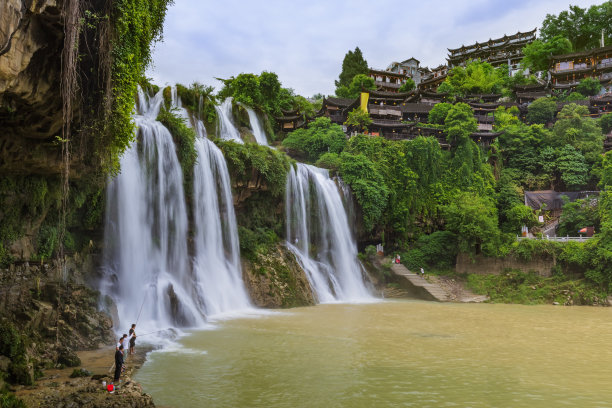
(274, 279)
(31, 41)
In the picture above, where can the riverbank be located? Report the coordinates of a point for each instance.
(57, 389)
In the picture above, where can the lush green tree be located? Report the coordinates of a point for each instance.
(438, 113)
(367, 184)
(606, 123)
(578, 214)
(358, 84)
(589, 86)
(576, 128)
(320, 137)
(573, 168)
(473, 219)
(575, 96)
(580, 26)
(506, 117)
(459, 123)
(263, 91)
(538, 54)
(542, 110)
(353, 64)
(407, 86)
(477, 77)
(359, 119)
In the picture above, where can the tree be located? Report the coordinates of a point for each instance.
(573, 168)
(353, 64)
(263, 91)
(577, 215)
(542, 110)
(589, 86)
(367, 184)
(473, 219)
(576, 128)
(538, 54)
(358, 84)
(359, 119)
(606, 123)
(477, 77)
(506, 117)
(438, 113)
(407, 86)
(459, 123)
(580, 26)
(320, 137)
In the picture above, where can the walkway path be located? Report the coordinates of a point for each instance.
(435, 288)
(426, 290)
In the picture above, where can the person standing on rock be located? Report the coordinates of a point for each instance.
(118, 362)
(422, 272)
(132, 338)
(120, 341)
(125, 343)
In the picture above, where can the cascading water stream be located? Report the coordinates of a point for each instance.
(317, 222)
(227, 130)
(146, 254)
(258, 132)
(216, 265)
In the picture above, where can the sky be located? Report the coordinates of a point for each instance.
(304, 42)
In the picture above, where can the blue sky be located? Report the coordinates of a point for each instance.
(304, 42)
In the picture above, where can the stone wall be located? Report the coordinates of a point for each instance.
(482, 265)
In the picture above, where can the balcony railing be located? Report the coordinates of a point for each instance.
(558, 239)
(557, 71)
(387, 84)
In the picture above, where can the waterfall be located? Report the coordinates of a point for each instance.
(146, 256)
(258, 132)
(216, 264)
(227, 130)
(318, 233)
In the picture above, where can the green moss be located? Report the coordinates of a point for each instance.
(248, 161)
(184, 139)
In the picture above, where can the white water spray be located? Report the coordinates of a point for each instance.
(227, 130)
(318, 234)
(216, 265)
(258, 132)
(146, 231)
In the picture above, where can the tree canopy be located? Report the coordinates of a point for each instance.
(359, 83)
(353, 64)
(581, 26)
(263, 91)
(538, 54)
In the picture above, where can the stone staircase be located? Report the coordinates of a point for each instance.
(418, 286)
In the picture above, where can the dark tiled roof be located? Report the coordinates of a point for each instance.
(581, 54)
(501, 39)
(415, 107)
(392, 95)
(341, 102)
(389, 73)
(532, 95)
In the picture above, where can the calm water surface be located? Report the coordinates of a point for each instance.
(393, 354)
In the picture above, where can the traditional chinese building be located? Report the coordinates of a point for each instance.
(568, 69)
(409, 67)
(504, 50)
(387, 81)
(433, 79)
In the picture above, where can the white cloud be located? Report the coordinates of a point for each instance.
(304, 42)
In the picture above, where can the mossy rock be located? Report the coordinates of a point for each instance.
(68, 358)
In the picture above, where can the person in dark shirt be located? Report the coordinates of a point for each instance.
(118, 362)
(132, 338)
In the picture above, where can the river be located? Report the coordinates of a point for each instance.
(392, 354)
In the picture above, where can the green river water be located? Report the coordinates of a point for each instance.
(393, 354)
